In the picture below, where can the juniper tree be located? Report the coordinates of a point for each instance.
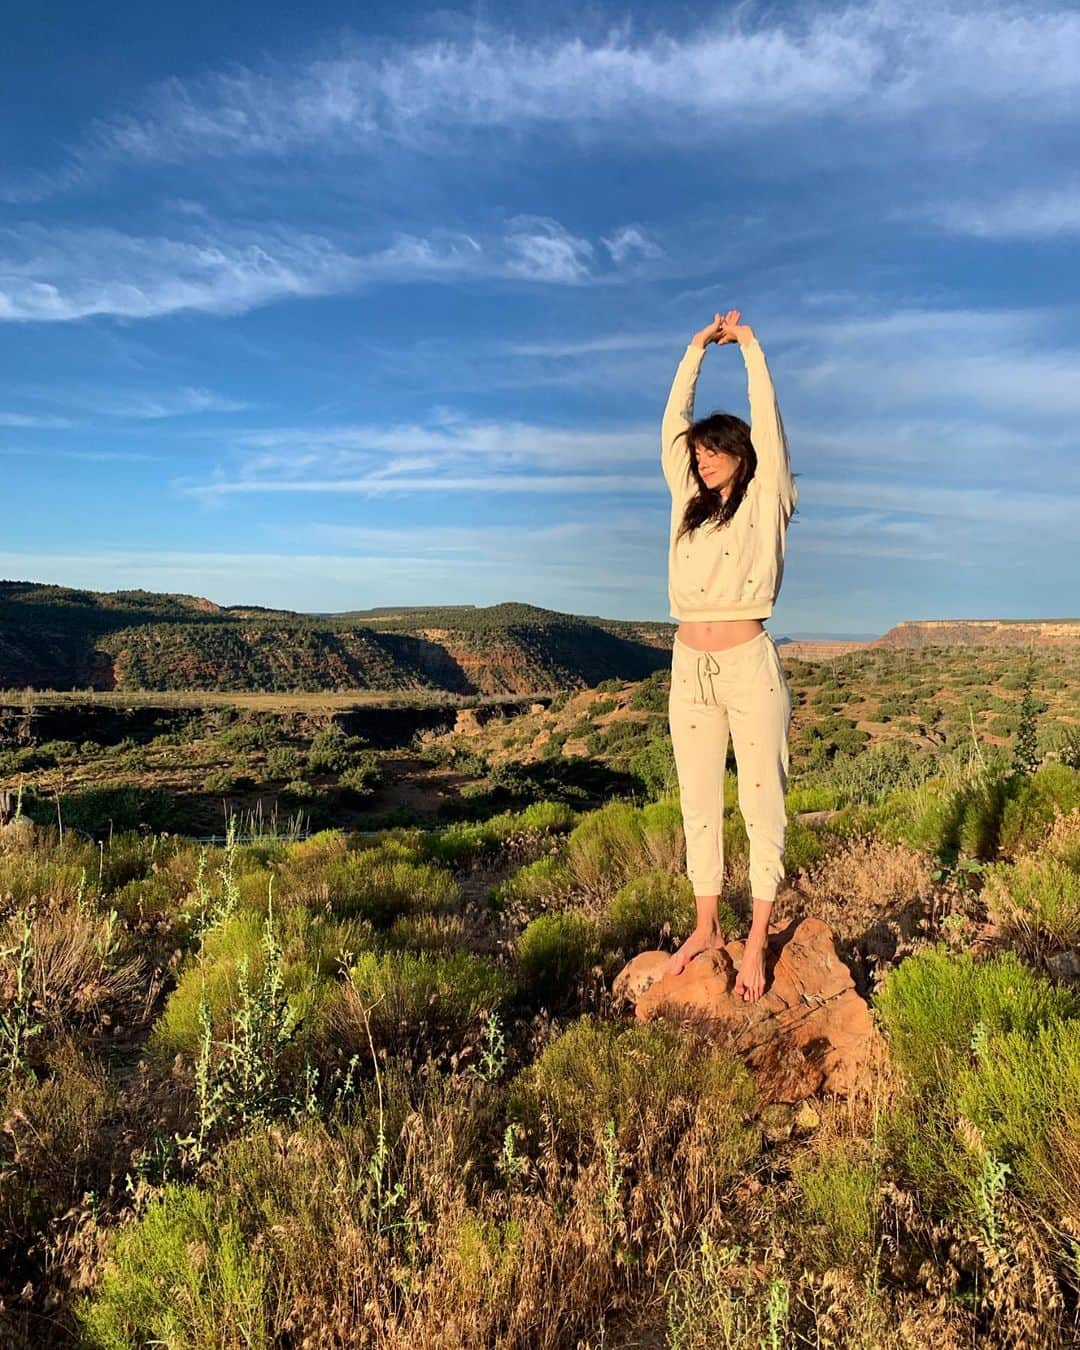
(1026, 749)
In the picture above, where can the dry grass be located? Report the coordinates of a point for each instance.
(83, 968)
(878, 898)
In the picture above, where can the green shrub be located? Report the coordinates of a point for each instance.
(1020, 1085)
(542, 882)
(283, 762)
(931, 1003)
(651, 909)
(554, 951)
(605, 847)
(652, 763)
(57, 750)
(363, 777)
(1067, 744)
(980, 810)
(227, 780)
(24, 876)
(839, 1192)
(813, 797)
(803, 846)
(313, 949)
(182, 1275)
(412, 999)
(329, 751)
(669, 1095)
(1029, 813)
(662, 830)
(110, 807)
(383, 882)
(930, 1155)
(428, 933)
(937, 817)
(247, 735)
(1036, 901)
(465, 840)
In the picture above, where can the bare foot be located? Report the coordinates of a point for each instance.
(750, 981)
(701, 939)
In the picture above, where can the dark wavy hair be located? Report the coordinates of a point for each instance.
(718, 431)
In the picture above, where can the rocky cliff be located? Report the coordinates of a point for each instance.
(980, 633)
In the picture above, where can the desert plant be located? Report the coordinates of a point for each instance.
(838, 1182)
(554, 951)
(1026, 746)
(412, 999)
(1036, 901)
(931, 1002)
(238, 1078)
(669, 1095)
(182, 1274)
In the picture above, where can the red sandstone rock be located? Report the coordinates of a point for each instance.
(809, 1031)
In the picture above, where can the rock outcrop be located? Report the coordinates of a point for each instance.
(980, 633)
(810, 1031)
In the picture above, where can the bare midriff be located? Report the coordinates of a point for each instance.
(718, 634)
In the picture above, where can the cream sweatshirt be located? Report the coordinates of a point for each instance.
(733, 572)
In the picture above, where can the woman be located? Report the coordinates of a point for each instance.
(732, 498)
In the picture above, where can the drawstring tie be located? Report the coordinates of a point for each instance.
(712, 667)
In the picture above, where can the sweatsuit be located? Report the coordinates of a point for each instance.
(731, 573)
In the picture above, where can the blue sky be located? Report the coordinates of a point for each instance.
(326, 307)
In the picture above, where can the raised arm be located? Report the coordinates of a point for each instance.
(767, 426)
(678, 415)
(679, 412)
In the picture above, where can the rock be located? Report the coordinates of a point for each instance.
(633, 980)
(816, 817)
(806, 1118)
(19, 832)
(1065, 966)
(809, 1032)
(776, 1121)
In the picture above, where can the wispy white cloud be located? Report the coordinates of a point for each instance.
(1045, 211)
(949, 402)
(33, 420)
(631, 240)
(1051, 511)
(1013, 379)
(483, 565)
(450, 436)
(561, 348)
(59, 452)
(418, 484)
(170, 403)
(66, 274)
(884, 62)
(72, 273)
(449, 453)
(542, 250)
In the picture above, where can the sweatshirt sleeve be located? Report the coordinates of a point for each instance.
(678, 415)
(767, 428)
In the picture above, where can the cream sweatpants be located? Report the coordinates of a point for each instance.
(744, 689)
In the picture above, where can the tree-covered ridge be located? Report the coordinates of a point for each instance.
(56, 637)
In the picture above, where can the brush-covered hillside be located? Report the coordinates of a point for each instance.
(53, 637)
(375, 1088)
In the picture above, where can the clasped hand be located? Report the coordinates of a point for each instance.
(724, 328)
